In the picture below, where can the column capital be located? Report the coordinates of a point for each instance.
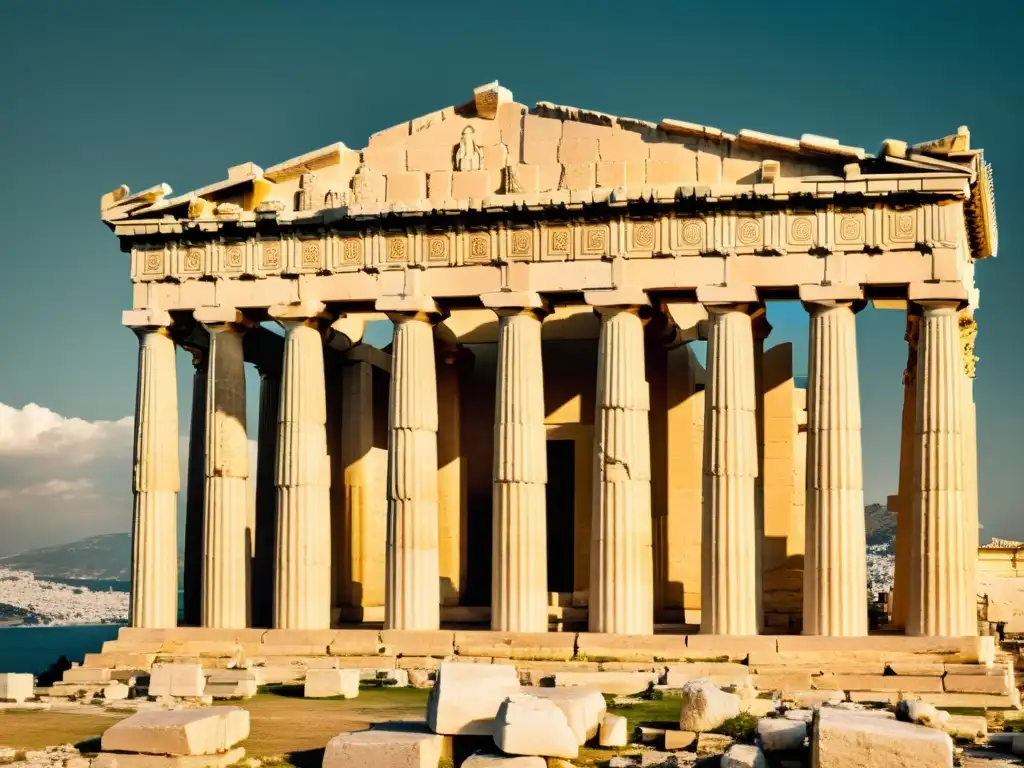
(345, 332)
(311, 313)
(938, 295)
(833, 294)
(516, 302)
(141, 320)
(617, 298)
(689, 317)
(219, 318)
(410, 307)
(728, 298)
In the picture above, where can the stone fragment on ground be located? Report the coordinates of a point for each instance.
(743, 756)
(120, 760)
(705, 706)
(779, 734)
(421, 678)
(116, 692)
(232, 684)
(679, 739)
(647, 734)
(325, 683)
(712, 744)
(584, 708)
(967, 728)
(466, 697)
(482, 760)
(404, 745)
(179, 732)
(921, 713)
(180, 680)
(613, 731)
(614, 683)
(812, 699)
(844, 738)
(16, 687)
(528, 725)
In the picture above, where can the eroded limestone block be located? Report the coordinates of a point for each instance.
(86, 675)
(843, 738)
(16, 686)
(481, 760)
(177, 680)
(394, 745)
(720, 673)
(712, 744)
(584, 708)
(613, 731)
(679, 739)
(608, 682)
(179, 732)
(528, 725)
(324, 683)
(466, 697)
(780, 734)
(706, 707)
(743, 756)
(116, 692)
(967, 727)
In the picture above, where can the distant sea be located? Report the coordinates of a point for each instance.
(33, 649)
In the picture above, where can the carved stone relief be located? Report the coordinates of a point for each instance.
(511, 181)
(367, 186)
(469, 156)
(304, 197)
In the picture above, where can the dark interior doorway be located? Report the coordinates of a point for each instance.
(561, 514)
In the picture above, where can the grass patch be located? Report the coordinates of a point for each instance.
(653, 712)
(741, 728)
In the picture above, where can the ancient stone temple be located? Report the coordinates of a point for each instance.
(540, 447)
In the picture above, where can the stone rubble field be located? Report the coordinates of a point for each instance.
(482, 716)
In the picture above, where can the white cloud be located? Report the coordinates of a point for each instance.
(61, 478)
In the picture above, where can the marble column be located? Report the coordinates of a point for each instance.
(903, 567)
(968, 333)
(943, 600)
(519, 551)
(412, 589)
(835, 562)
(621, 558)
(728, 560)
(192, 575)
(226, 486)
(262, 591)
(156, 479)
(761, 328)
(302, 558)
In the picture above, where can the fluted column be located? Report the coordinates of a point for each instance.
(968, 333)
(903, 570)
(728, 557)
(519, 554)
(412, 589)
(621, 557)
(761, 328)
(835, 559)
(302, 559)
(226, 495)
(943, 599)
(262, 586)
(156, 479)
(192, 575)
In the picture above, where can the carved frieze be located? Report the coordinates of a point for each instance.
(470, 155)
(714, 233)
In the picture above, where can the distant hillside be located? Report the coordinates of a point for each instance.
(880, 525)
(106, 557)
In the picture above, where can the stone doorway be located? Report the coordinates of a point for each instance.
(561, 514)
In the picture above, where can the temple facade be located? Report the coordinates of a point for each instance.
(540, 447)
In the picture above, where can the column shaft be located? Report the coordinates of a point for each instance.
(835, 559)
(728, 565)
(265, 535)
(226, 516)
(154, 598)
(412, 577)
(302, 561)
(904, 568)
(192, 576)
(519, 556)
(943, 599)
(622, 565)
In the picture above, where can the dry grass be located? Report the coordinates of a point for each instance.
(282, 723)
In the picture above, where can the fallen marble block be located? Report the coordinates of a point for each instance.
(481, 760)
(705, 707)
(844, 738)
(779, 734)
(324, 683)
(392, 745)
(466, 697)
(178, 732)
(528, 725)
(116, 692)
(16, 686)
(743, 756)
(232, 684)
(181, 680)
(584, 708)
(613, 731)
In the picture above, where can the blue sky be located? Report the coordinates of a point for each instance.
(95, 95)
